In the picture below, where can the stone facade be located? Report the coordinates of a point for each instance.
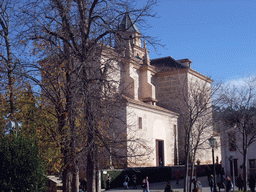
(158, 128)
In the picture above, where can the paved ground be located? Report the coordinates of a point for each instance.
(159, 187)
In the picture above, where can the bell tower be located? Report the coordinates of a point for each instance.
(137, 71)
(128, 36)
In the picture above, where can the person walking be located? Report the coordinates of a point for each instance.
(126, 181)
(147, 189)
(222, 174)
(144, 185)
(211, 183)
(134, 181)
(168, 187)
(208, 172)
(197, 184)
(229, 184)
(196, 190)
(240, 182)
(177, 176)
(252, 183)
(108, 182)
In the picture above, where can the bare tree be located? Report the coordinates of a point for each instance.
(11, 81)
(191, 97)
(239, 117)
(7, 59)
(196, 117)
(75, 38)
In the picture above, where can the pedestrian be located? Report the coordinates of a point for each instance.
(229, 184)
(168, 187)
(134, 181)
(194, 182)
(108, 182)
(222, 173)
(126, 181)
(147, 189)
(196, 190)
(208, 172)
(144, 185)
(218, 168)
(211, 183)
(240, 182)
(177, 176)
(199, 185)
(82, 185)
(252, 183)
(221, 185)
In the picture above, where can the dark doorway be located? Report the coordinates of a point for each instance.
(159, 153)
(235, 167)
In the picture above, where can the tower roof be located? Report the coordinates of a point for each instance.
(168, 62)
(128, 24)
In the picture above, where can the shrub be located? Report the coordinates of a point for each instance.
(20, 165)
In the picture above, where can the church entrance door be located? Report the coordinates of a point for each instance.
(159, 153)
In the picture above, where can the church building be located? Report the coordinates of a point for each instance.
(155, 92)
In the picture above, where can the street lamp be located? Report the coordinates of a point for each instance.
(212, 142)
(231, 158)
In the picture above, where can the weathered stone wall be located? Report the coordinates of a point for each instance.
(179, 91)
(170, 88)
(156, 125)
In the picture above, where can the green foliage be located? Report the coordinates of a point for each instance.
(114, 174)
(38, 122)
(20, 165)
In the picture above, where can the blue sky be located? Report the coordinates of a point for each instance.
(219, 36)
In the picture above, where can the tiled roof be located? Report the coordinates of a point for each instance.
(167, 62)
(128, 24)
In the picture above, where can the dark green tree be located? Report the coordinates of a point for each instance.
(21, 168)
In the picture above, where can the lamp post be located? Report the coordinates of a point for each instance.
(231, 158)
(212, 142)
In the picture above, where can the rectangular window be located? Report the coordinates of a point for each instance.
(174, 130)
(232, 141)
(252, 163)
(140, 122)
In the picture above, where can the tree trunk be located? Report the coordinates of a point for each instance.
(90, 172)
(10, 72)
(98, 174)
(90, 163)
(187, 148)
(66, 176)
(67, 180)
(191, 176)
(245, 168)
(192, 169)
(245, 159)
(75, 178)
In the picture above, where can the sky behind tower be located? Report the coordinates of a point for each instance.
(219, 36)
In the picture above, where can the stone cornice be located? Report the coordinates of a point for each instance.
(156, 109)
(148, 67)
(136, 62)
(199, 75)
(138, 47)
(187, 70)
